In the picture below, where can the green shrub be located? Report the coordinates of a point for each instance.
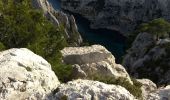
(158, 27)
(64, 97)
(22, 26)
(28, 69)
(2, 47)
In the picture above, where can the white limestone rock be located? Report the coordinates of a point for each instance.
(92, 62)
(91, 90)
(160, 94)
(59, 18)
(147, 87)
(25, 76)
(120, 15)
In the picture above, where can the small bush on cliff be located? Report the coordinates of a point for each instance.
(134, 89)
(2, 47)
(158, 27)
(23, 26)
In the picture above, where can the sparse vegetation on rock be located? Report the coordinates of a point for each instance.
(158, 27)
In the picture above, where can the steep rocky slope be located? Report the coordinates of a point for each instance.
(25, 76)
(149, 58)
(120, 15)
(60, 18)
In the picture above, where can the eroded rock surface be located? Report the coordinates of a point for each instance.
(147, 87)
(25, 76)
(91, 90)
(120, 15)
(59, 18)
(149, 58)
(93, 62)
(160, 94)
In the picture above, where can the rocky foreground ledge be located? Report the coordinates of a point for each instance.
(92, 62)
(27, 76)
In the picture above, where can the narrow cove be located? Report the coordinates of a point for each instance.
(112, 40)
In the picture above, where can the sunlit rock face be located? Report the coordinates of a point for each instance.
(25, 76)
(160, 94)
(59, 18)
(120, 15)
(91, 90)
(92, 62)
(147, 87)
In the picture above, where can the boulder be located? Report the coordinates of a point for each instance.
(91, 90)
(25, 76)
(160, 94)
(147, 87)
(93, 62)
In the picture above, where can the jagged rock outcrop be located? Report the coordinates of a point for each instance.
(151, 92)
(160, 94)
(139, 48)
(25, 76)
(60, 18)
(91, 90)
(120, 15)
(147, 87)
(93, 62)
(148, 58)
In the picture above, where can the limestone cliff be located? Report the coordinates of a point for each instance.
(149, 58)
(120, 15)
(60, 18)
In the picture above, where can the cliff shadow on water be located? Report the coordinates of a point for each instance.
(112, 40)
(56, 4)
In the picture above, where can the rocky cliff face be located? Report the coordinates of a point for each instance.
(149, 58)
(25, 76)
(120, 15)
(59, 18)
(93, 62)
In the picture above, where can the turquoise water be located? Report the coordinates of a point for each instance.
(112, 40)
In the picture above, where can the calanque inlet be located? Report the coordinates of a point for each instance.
(84, 50)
